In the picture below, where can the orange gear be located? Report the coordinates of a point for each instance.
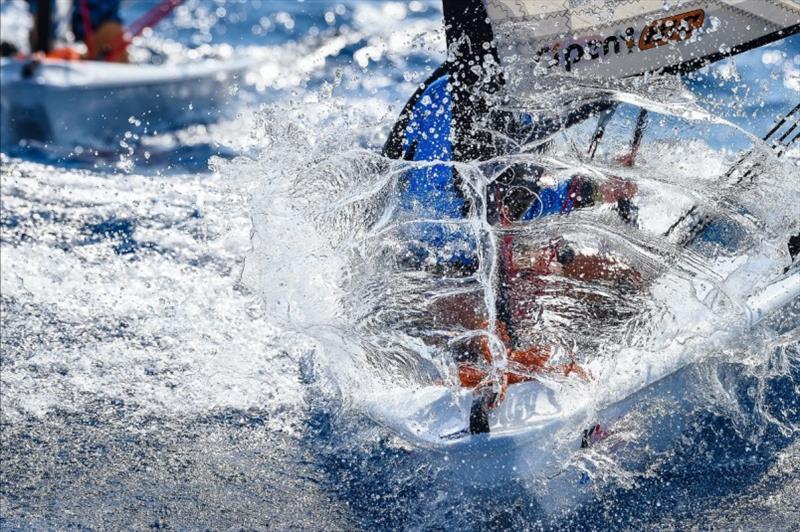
(523, 365)
(65, 53)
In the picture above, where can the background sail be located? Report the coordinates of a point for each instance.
(614, 39)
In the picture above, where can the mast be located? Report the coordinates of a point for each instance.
(43, 22)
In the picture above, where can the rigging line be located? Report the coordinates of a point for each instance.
(766, 138)
(600, 130)
(738, 163)
(788, 132)
(781, 122)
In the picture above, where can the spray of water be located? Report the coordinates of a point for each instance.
(330, 248)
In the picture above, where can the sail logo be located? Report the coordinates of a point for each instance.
(656, 33)
(677, 28)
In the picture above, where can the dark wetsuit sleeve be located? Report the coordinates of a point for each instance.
(431, 203)
(33, 5)
(430, 189)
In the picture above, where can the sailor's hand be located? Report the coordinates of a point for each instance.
(617, 189)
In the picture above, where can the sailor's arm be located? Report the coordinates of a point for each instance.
(579, 192)
(561, 260)
(584, 191)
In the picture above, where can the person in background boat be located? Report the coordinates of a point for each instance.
(96, 23)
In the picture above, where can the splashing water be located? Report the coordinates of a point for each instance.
(683, 304)
(682, 307)
(201, 350)
(354, 282)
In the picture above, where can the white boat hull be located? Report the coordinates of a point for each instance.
(93, 103)
(537, 430)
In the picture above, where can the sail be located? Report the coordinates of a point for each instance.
(621, 38)
(542, 44)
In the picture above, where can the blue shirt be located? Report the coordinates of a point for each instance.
(431, 203)
(100, 11)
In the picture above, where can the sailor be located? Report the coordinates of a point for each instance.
(96, 23)
(442, 124)
(524, 193)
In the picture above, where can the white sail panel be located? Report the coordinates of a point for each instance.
(613, 39)
(583, 14)
(573, 15)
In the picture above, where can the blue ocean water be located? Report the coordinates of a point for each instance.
(144, 385)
